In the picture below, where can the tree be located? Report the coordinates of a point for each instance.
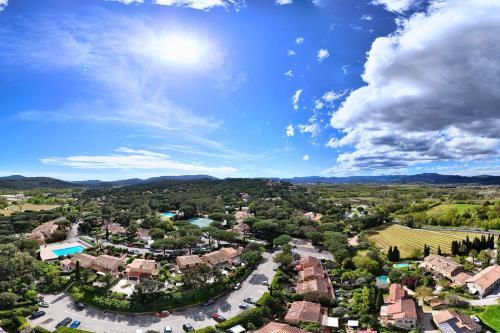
(439, 250)
(156, 233)
(380, 299)
(390, 254)
(284, 259)
(366, 263)
(8, 300)
(427, 250)
(77, 271)
(455, 248)
(423, 292)
(485, 257)
(199, 276)
(251, 258)
(282, 240)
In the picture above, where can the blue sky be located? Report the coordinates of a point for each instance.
(137, 88)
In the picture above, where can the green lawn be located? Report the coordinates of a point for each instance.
(443, 208)
(491, 317)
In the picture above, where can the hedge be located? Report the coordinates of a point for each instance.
(253, 315)
(208, 329)
(261, 301)
(39, 329)
(65, 329)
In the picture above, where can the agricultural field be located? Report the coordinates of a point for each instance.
(24, 207)
(407, 239)
(456, 208)
(489, 315)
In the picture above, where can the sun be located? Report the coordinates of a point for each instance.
(182, 49)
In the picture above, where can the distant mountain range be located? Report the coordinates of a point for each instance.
(24, 183)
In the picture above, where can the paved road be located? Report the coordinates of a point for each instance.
(99, 321)
(304, 247)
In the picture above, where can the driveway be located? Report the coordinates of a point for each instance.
(491, 299)
(98, 321)
(305, 248)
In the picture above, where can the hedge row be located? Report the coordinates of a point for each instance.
(65, 329)
(251, 316)
(209, 329)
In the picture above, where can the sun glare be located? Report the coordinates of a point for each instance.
(182, 49)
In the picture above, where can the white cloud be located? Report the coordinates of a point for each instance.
(306, 158)
(398, 6)
(432, 93)
(289, 73)
(299, 40)
(128, 2)
(284, 2)
(344, 69)
(290, 52)
(3, 4)
(312, 127)
(290, 131)
(331, 96)
(318, 104)
(296, 99)
(366, 17)
(322, 54)
(126, 158)
(202, 4)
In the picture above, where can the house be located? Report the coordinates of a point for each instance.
(442, 265)
(215, 259)
(312, 216)
(438, 304)
(44, 231)
(461, 278)
(450, 321)
(143, 235)
(485, 281)
(141, 269)
(104, 263)
(66, 265)
(304, 311)
(313, 281)
(237, 329)
(399, 310)
(115, 229)
(311, 273)
(307, 261)
(367, 331)
(274, 327)
(188, 261)
(232, 253)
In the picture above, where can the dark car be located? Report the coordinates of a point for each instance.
(244, 306)
(65, 322)
(209, 302)
(249, 300)
(188, 327)
(37, 314)
(218, 318)
(75, 324)
(79, 306)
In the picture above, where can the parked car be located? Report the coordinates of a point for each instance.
(43, 304)
(167, 329)
(75, 324)
(475, 318)
(37, 314)
(162, 314)
(244, 306)
(265, 283)
(65, 322)
(218, 318)
(209, 302)
(249, 300)
(188, 327)
(237, 286)
(79, 306)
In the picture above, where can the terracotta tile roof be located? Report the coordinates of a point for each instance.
(487, 277)
(367, 331)
(45, 230)
(308, 261)
(143, 265)
(310, 273)
(188, 260)
(86, 260)
(304, 311)
(404, 308)
(396, 292)
(108, 262)
(459, 321)
(462, 278)
(141, 233)
(441, 263)
(274, 327)
(231, 252)
(215, 258)
(115, 228)
(317, 285)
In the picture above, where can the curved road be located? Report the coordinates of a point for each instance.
(100, 321)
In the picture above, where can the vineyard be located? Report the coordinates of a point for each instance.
(407, 239)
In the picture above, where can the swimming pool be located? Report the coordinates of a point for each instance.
(168, 214)
(383, 279)
(200, 221)
(68, 250)
(401, 265)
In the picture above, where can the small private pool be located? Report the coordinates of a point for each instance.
(168, 214)
(383, 279)
(200, 221)
(401, 265)
(68, 250)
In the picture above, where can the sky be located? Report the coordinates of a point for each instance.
(114, 89)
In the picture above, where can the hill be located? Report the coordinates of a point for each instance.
(24, 183)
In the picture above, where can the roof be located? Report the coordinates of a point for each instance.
(65, 262)
(404, 308)
(442, 263)
(311, 273)
(237, 329)
(215, 257)
(308, 261)
(231, 252)
(143, 264)
(141, 233)
(107, 261)
(396, 292)
(115, 228)
(330, 322)
(304, 311)
(462, 278)
(353, 323)
(188, 260)
(452, 321)
(82, 257)
(487, 277)
(367, 331)
(274, 327)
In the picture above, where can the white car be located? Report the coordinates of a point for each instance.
(167, 329)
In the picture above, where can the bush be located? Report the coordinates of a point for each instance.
(251, 316)
(111, 303)
(39, 329)
(209, 329)
(261, 301)
(65, 329)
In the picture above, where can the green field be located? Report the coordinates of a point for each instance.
(444, 208)
(407, 239)
(489, 315)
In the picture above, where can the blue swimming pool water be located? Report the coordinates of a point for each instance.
(168, 214)
(383, 279)
(402, 265)
(200, 221)
(69, 250)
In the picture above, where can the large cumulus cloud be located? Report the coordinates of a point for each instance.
(432, 93)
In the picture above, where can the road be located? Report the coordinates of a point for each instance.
(99, 321)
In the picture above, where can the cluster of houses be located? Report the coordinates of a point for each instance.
(45, 230)
(106, 264)
(481, 284)
(399, 310)
(219, 258)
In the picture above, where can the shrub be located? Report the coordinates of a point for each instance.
(251, 316)
(209, 329)
(65, 329)
(39, 329)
